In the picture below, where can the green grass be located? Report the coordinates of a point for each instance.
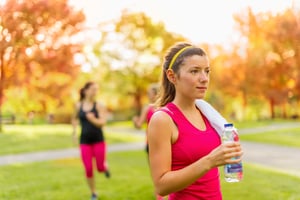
(262, 183)
(29, 138)
(287, 137)
(126, 124)
(259, 123)
(64, 179)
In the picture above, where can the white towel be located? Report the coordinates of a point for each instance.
(213, 116)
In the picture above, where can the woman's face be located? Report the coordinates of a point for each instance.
(193, 77)
(151, 95)
(91, 92)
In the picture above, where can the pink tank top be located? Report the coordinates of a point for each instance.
(191, 145)
(150, 112)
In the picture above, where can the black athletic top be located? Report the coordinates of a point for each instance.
(89, 133)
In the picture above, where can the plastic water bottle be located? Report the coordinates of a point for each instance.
(232, 172)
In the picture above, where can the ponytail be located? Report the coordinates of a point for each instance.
(167, 91)
(81, 94)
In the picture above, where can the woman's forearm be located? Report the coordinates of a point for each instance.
(177, 180)
(99, 122)
(137, 122)
(74, 125)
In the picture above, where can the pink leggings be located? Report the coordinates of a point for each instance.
(88, 151)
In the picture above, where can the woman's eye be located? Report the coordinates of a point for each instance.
(207, 71)
(194, 71)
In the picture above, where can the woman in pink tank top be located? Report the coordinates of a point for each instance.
(148, 110)
(185, 151)
(146, 115)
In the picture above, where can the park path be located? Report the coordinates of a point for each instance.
(271, 127)
(286, 159)
(62, 153)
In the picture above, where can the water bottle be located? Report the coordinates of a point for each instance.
(232, 172)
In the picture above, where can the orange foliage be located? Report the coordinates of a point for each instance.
(37, 45)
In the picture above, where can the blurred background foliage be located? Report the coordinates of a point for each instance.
(45, 59)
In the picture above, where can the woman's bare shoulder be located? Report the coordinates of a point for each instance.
(77, 105)
(160, 118)
(100, 104)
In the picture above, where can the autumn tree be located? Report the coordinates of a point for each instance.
(130, 55)
(271, 56)
(283, 60)
(38, 40)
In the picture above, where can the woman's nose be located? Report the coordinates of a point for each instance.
(203, 77)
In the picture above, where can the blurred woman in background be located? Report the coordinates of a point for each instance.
(92, 117)
(146, 115)
(148, 110)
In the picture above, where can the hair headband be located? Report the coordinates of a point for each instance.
(178, 54)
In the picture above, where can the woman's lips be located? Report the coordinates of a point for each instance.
(201, 88)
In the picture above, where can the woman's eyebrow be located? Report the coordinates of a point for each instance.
(199, 67)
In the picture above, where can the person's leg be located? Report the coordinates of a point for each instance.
(87, 156)
(99, 150)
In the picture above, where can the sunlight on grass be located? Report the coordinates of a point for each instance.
(130, 181)
(126, 124)
(259, 123)
(286, 137)
(28, 138)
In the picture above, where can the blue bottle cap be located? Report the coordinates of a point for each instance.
(228, 125)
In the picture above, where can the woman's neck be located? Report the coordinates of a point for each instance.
(184, 103)
(88, 100)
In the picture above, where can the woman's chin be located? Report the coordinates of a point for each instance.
(200, 96)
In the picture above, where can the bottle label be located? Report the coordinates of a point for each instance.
(233, 168)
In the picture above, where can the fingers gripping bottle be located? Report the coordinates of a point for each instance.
(232, 172)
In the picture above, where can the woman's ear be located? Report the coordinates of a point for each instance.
(171, 76)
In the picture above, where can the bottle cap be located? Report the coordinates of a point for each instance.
(228, 125)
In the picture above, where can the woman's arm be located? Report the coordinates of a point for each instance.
(139, 120)
(160, 131)
(74, 122)
(101, 120)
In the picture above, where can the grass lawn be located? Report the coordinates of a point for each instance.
(29, 138)
(126, 124)
(287, 137)
(262, 184)
(64, 179)
(260, 123)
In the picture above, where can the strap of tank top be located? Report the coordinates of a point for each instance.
(80, 106)
(167, 110)
(170, 113)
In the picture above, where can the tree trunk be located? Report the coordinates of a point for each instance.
(272, 108)
(283, 110)
(245, 103)
(138, 102)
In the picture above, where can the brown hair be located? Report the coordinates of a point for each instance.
(82, 90)
(167, 90)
